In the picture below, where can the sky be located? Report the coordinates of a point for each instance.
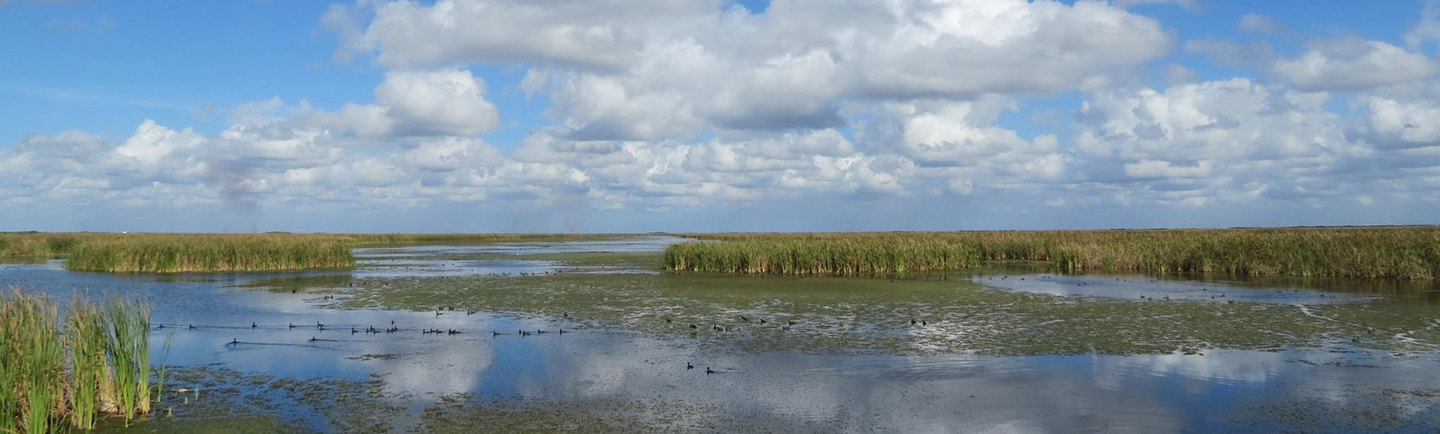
(716, 115)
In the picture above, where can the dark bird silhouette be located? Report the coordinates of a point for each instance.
(353, 331)
(689, 366)
(762, 320)
(708, 371)
(192, 326)
(494, 333)
(312, 339)
(693, 326)
(562, 331)
(162, 326)
(923, 323)
(913, 321)
(790, 322)
(234, 341)
(292, 325)
(667, 320)
(785, 328)
(252, 325)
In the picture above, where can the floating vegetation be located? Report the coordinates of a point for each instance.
(1409, 252)
(109, 372)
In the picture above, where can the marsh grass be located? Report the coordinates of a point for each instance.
(1361, 252)
(210, 253)
(228, 253)
(108, 371)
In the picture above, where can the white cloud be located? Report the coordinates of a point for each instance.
(669, 70)
(1354, 64)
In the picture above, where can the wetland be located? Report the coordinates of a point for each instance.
(450, 337)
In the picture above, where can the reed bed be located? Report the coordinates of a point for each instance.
(210, 253)
(225, 253)
(108, 373)
(1409, 252)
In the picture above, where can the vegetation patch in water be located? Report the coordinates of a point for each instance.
(210, 253)
(1411, 252)
(957, 316)
(108, 363)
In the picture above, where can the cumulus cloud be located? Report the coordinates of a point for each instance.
(1354, 64)
(668, 70)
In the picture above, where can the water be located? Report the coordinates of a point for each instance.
(631, 369)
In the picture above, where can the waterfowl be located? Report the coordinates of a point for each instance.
(708, 371)
(292, 325)
(353, 331)
(539, 332)
(692, 325)
(454, 332)
(252, 325)
(790, 322)
(913, 321)
(562, 331)
(312, 339)
(234, 341)
(923, 323)
(689, 366)
(192, 326)
(785, 328)
(667, 320)
(494, 333)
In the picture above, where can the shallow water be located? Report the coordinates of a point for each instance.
(851, 363)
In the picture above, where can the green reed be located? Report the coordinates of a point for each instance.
(128, 348)
(107, 374)
(1411, 252)
(187, 253)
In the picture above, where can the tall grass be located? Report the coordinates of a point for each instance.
(108, 372)
(209, 253)
(1411, 252)
(224, 253)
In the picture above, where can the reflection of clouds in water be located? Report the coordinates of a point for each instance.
(1216, 366)
(450, 368)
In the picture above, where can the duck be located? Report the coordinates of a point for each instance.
(708, 371)
(192, 326)
(234, 341)
(161, 327)
(689, 366)
(313, 339)
(692, 326)
(253, 325)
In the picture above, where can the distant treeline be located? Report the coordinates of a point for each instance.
(188, 253)
(1403, 252)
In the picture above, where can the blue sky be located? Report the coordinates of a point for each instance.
(495, 115)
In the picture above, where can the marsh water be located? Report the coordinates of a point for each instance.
(1009, 349)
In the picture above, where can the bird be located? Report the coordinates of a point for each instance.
(252, 325)
(708, 371)
(494, 333)
(790, 322)
(913, 321)
(162, 326)
(785, 328)
(689, 366)
(292, 325)
(923, 323)
(743, 318)
(692, 325)
(762, 320)
(352, 330)
(192, 326)
(312, 339)
(562, 331)
(234, 341)
(667, 320)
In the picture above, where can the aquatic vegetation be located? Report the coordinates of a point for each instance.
(209, 253)
(1411, 252)
(834, 314)
(109, 372)
(226, 253)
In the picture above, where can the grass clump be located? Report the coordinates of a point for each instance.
(108, 373)
(210, 253)
(1411, 252)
